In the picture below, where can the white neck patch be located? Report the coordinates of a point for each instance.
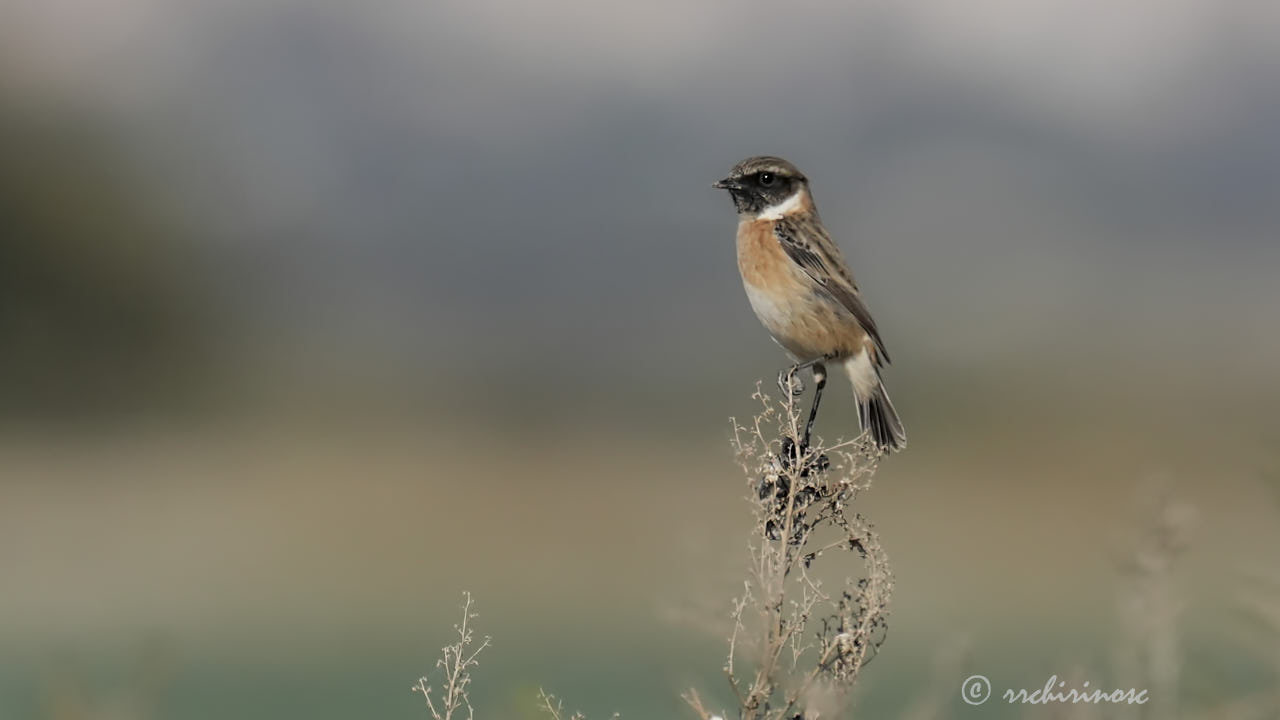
(775, 212)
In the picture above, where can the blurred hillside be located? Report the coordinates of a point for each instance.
(403, 192)
(100, 309)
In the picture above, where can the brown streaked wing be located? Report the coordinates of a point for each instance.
(808, 245)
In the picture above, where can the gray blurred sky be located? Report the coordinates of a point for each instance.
(448, 183)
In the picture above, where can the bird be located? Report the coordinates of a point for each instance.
(803, 293)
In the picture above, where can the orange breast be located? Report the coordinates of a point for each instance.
(809, 324)
(761, 259)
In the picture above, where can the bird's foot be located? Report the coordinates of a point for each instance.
(789, 383)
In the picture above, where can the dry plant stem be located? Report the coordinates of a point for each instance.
(695, 702)
(1150, 601)
(807, 645)
(555, 708)
(456, 662)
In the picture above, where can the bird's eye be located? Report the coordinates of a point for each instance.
(767, 179)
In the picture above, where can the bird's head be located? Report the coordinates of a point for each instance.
(766, 186)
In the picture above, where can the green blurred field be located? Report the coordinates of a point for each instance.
(312, 568)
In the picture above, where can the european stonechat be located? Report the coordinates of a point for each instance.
(804, 294)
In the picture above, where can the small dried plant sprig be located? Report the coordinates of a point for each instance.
(796, 649)
(554, 708)
(1150, 601)
(455, 664)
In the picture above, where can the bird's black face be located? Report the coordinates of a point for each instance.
(761, 182)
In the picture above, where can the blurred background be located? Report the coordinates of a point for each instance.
(314, 315)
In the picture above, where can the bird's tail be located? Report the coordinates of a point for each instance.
(876, 413)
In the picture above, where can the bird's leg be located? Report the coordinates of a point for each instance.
(819, 382)
(791, 451)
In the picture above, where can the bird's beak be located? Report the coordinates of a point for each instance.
(727, 184)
